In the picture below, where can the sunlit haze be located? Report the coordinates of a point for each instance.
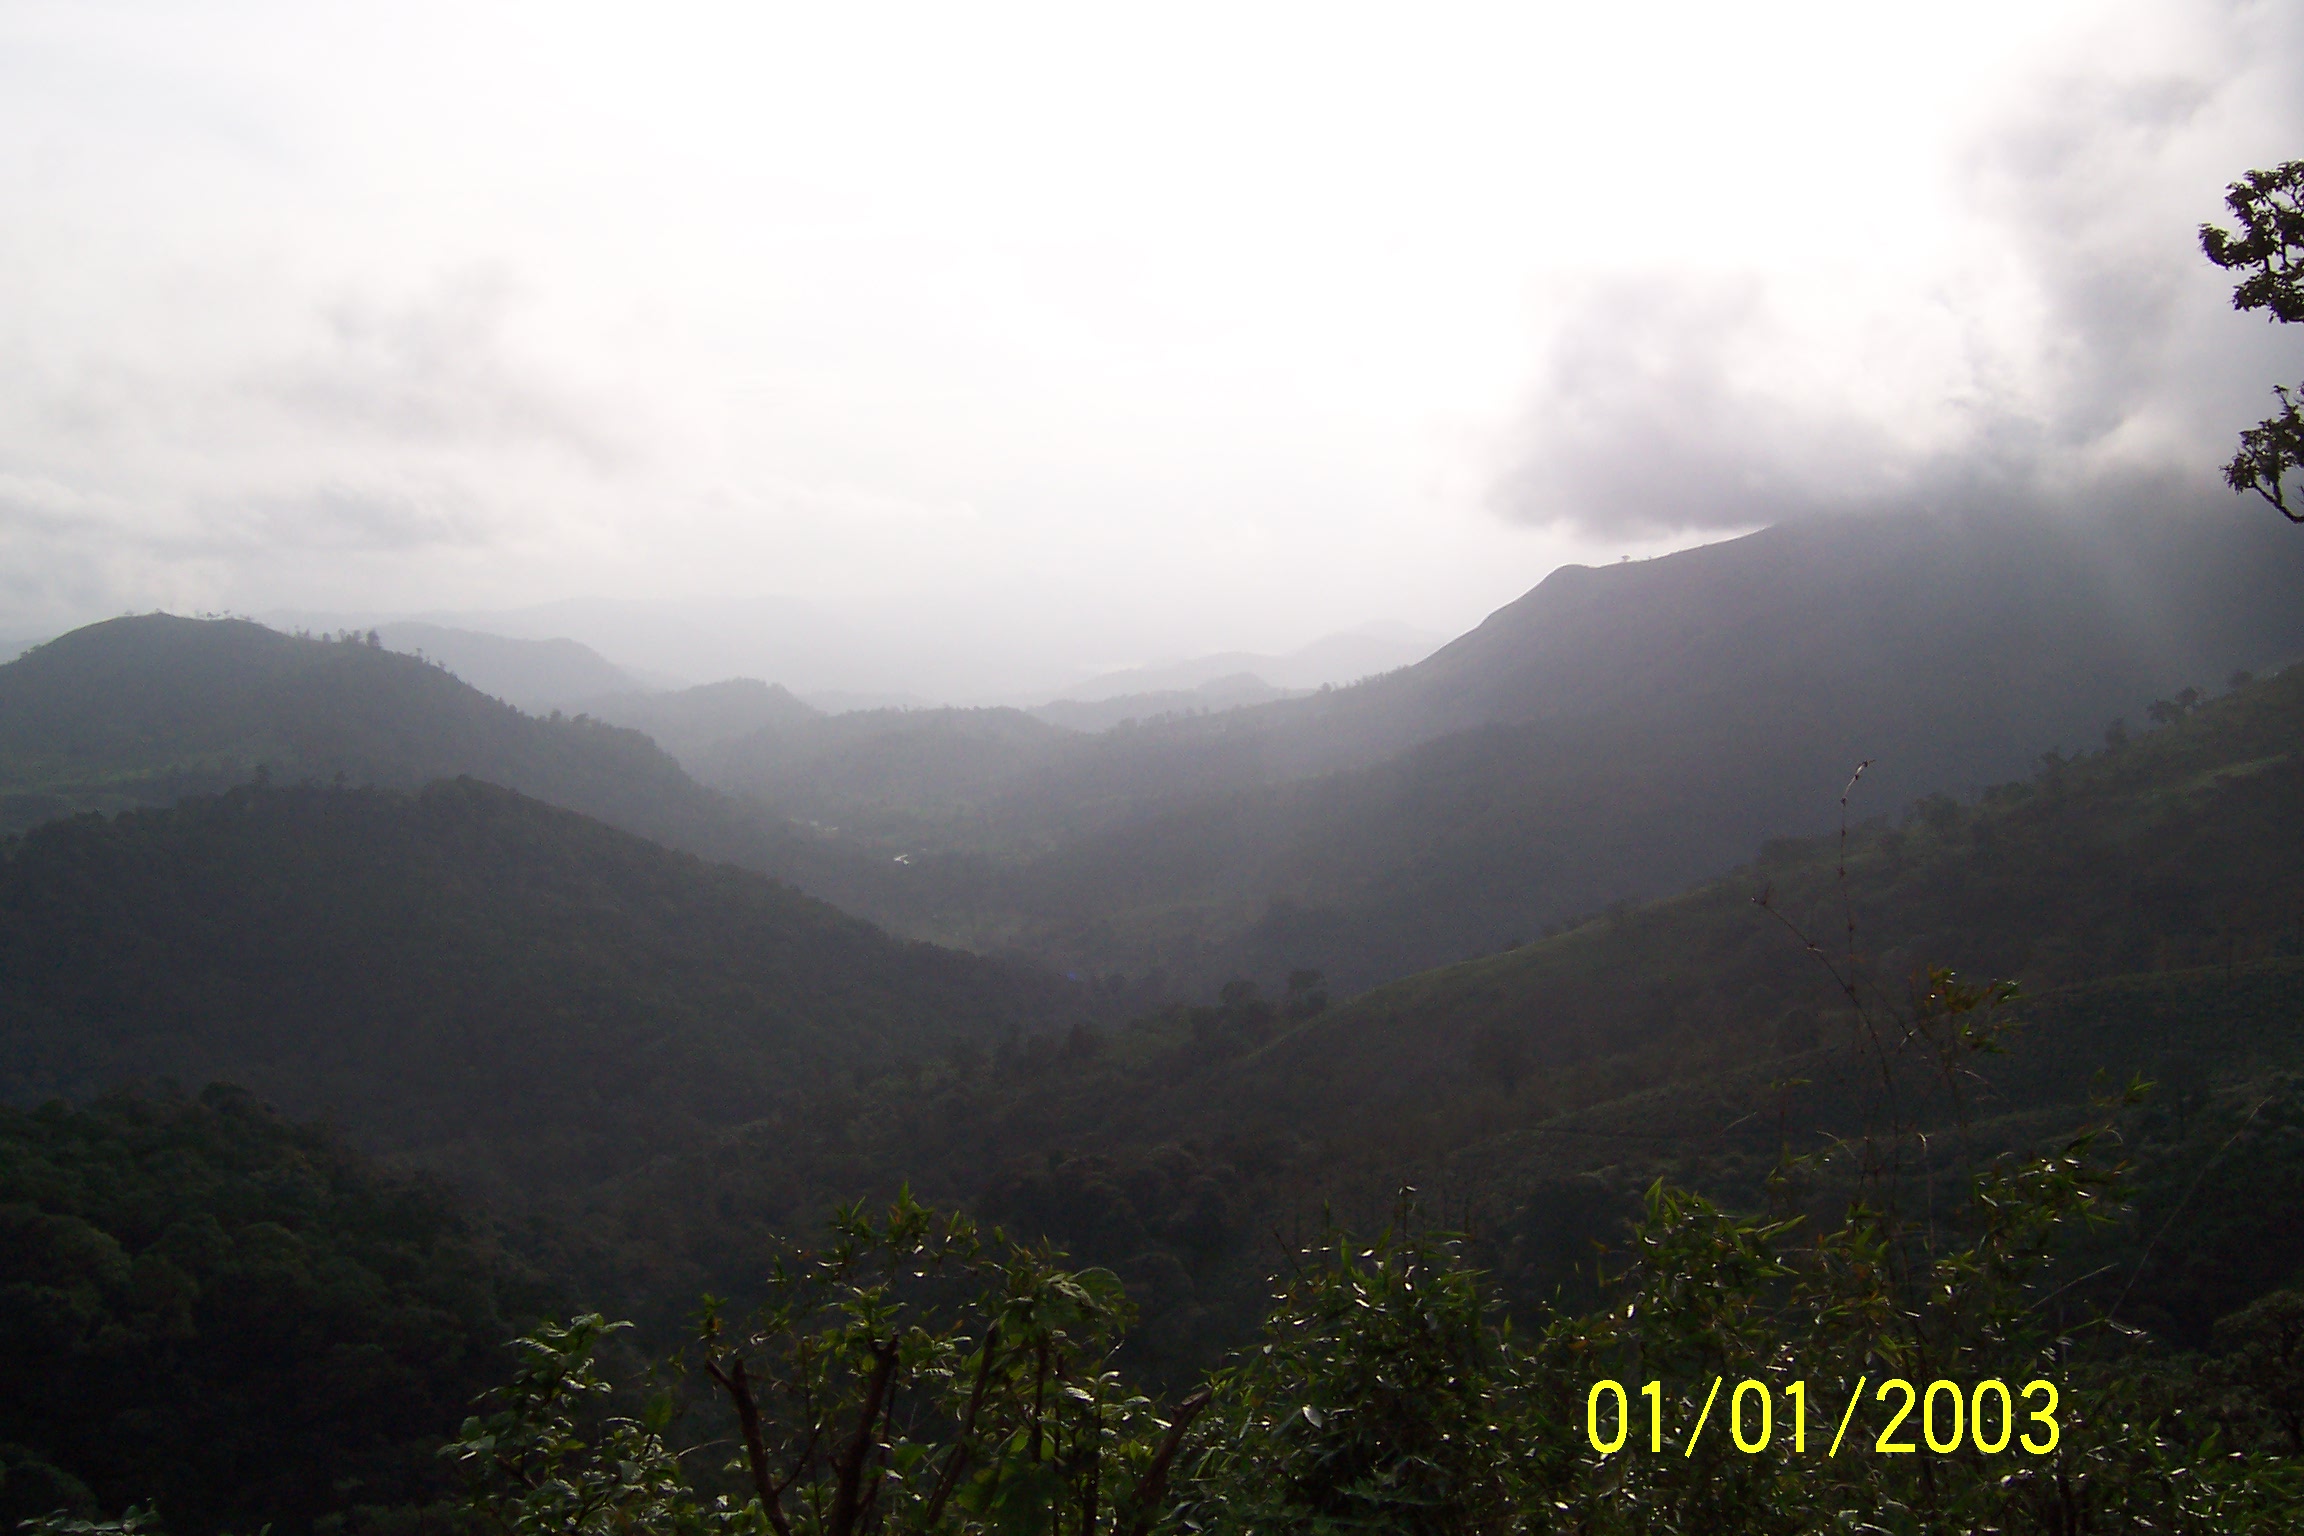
(1044, 341)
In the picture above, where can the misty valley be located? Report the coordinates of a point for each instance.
(1151, 771)
(356, 1021)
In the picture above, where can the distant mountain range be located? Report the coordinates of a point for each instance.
(1616, 733)
(1330, 661)
(1613, 734)
(333, 875)
(840, 661)
(690, 722)
(139, 712)
(2146, 896)
(1233, 691)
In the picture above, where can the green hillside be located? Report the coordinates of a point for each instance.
(2148, 897)
(140, 711)
(137, 711)
(463, 977)
(241, 1320)
(664, 1069)
(2183, 847)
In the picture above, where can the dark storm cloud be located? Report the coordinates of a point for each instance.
(1640, 423)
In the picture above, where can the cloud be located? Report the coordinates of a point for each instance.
(193, 452)
(2065, 342)
(1649, 417)
(437, 369)
(340, 519)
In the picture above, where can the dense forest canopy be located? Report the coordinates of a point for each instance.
(236, 1318)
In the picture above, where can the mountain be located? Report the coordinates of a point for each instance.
(2006, 633)
(2176, 850)
(1614, 734)
(690, 722)
(15, 642)
(534, 675)
(463, 978)
(138, 710)
(1233, 691)
(669, 643)
(2145, 896)
(897, 771)
(1617, 733)
(1330, 661)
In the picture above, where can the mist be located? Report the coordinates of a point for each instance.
(987, 357)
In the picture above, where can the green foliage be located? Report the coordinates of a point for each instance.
(2268, 250)
(236, 1319)
(536, 1474)
(914, 1375)
(1381, 1399)
(1387, 1398)
(2269, 246)
(2263, 1360)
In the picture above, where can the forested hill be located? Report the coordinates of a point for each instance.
(464, 977)
(1616, 733)
(236, 1319)
(2178, 847)
(138, 711)
(2150, 894)
(1961, 643)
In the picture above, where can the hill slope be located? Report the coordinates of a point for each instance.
(139, 711)
(239, 1320)
(1617, 733)
(2181, 848)
(2149, 894)
(535, 675)
(463, 977)
(690, 722)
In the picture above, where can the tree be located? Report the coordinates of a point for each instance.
(2269, 251)
(913, 1377)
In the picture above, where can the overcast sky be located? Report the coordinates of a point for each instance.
(1127, 331)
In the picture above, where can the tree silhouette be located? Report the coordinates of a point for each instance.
(2269, 251)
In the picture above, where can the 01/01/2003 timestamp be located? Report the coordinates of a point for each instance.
(1991, 1418)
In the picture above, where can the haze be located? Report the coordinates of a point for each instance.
(1034, 343)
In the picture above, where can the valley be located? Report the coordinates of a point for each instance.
(1234, 974)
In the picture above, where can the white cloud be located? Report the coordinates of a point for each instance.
(2062, 340)
(1129, 334)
